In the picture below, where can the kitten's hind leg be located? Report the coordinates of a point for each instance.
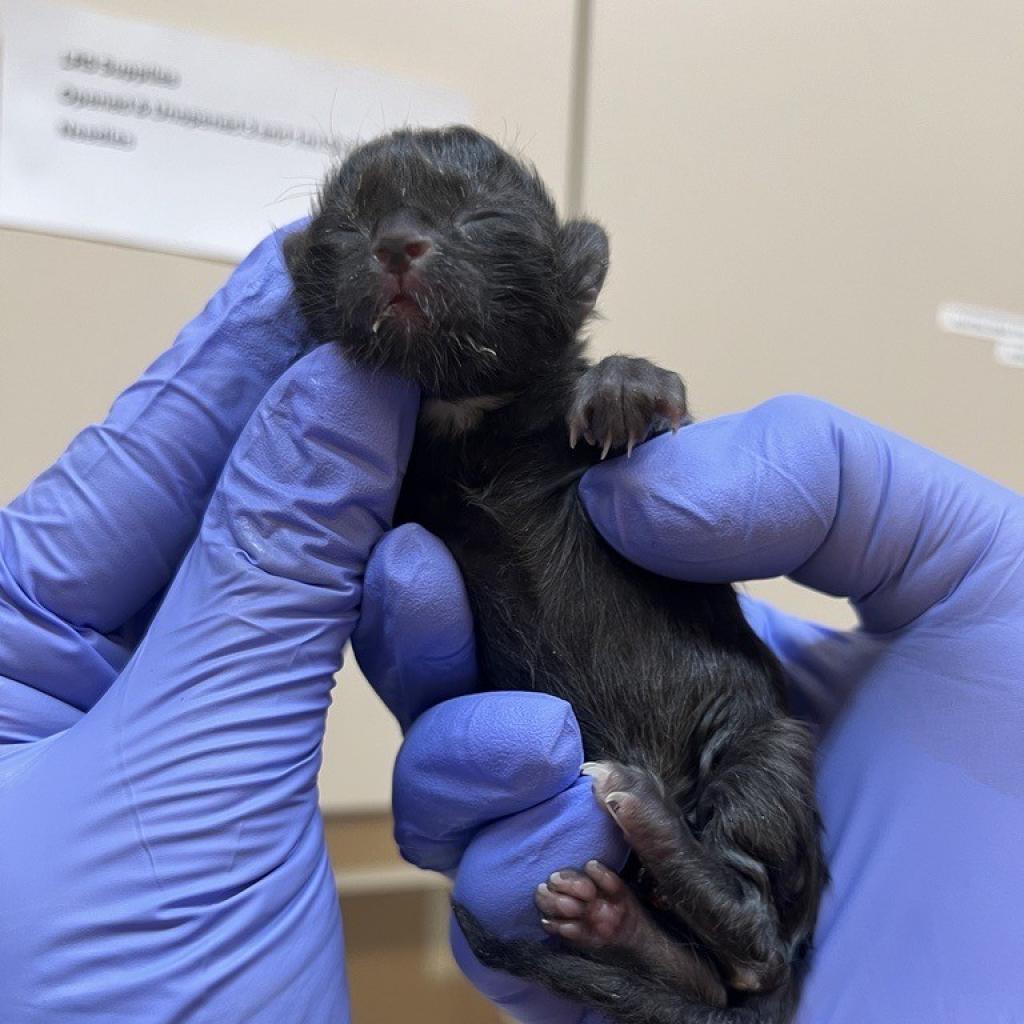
(624, 991)
(595, 909)
(717, 885)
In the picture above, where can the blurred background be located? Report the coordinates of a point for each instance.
(791, 190)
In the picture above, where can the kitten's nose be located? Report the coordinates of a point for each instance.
(400, 241)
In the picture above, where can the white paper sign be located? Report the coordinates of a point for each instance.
(1006, 330)
(153, 137)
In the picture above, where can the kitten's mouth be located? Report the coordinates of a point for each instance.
(401, 309)
(403, 305)
(401, 302)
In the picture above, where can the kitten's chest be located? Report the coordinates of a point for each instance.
(485, 484)
(467, 505)
(508, 515)
(440, 492)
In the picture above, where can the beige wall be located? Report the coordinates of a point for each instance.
(791, 189)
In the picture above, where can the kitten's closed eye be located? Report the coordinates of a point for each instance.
(478, 216)
(343, 231)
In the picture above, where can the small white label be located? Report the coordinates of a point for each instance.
(1006, 330)
(1010, 353)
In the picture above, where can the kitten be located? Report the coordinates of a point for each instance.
(438, 256)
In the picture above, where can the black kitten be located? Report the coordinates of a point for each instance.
(437, 255)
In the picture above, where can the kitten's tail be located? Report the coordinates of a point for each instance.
(623, 994)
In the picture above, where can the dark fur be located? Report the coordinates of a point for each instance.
(665, 677)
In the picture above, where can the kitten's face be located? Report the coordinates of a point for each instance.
(437, 255)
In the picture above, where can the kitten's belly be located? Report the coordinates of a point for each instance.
(571, 619)
(642, 660)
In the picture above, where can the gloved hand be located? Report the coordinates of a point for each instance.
(162, 856)
(919, 713)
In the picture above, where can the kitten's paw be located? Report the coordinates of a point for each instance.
(592, 908)
(623, 400)
(637, 802)
(595, 909)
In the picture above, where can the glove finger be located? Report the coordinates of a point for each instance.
(99, 533)
(219, 715)
(474, 759)
(799, 488)
(500, 872)
(414, 641)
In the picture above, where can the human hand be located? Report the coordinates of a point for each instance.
(918, 713)
(162, 856)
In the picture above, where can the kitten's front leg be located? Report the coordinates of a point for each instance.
(622, 401)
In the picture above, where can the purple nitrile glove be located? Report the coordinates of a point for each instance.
(162, 856)
(919, 713)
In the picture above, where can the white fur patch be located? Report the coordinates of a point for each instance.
(450, 419)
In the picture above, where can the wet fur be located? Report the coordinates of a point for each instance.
(664, 676)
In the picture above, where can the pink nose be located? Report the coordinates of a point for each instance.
(397, 252)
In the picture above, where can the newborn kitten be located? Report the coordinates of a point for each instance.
(438, 256)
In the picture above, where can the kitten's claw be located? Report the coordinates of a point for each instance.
(597, 770)
(621, 401)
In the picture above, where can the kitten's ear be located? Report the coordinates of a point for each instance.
(584, 249)
(311, 266)
(296, 252)
(309, 263)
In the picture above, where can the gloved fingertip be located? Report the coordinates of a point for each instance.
(414, 641)
(477, 758)
(744, 496)
(507, 859)
(334, 438)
